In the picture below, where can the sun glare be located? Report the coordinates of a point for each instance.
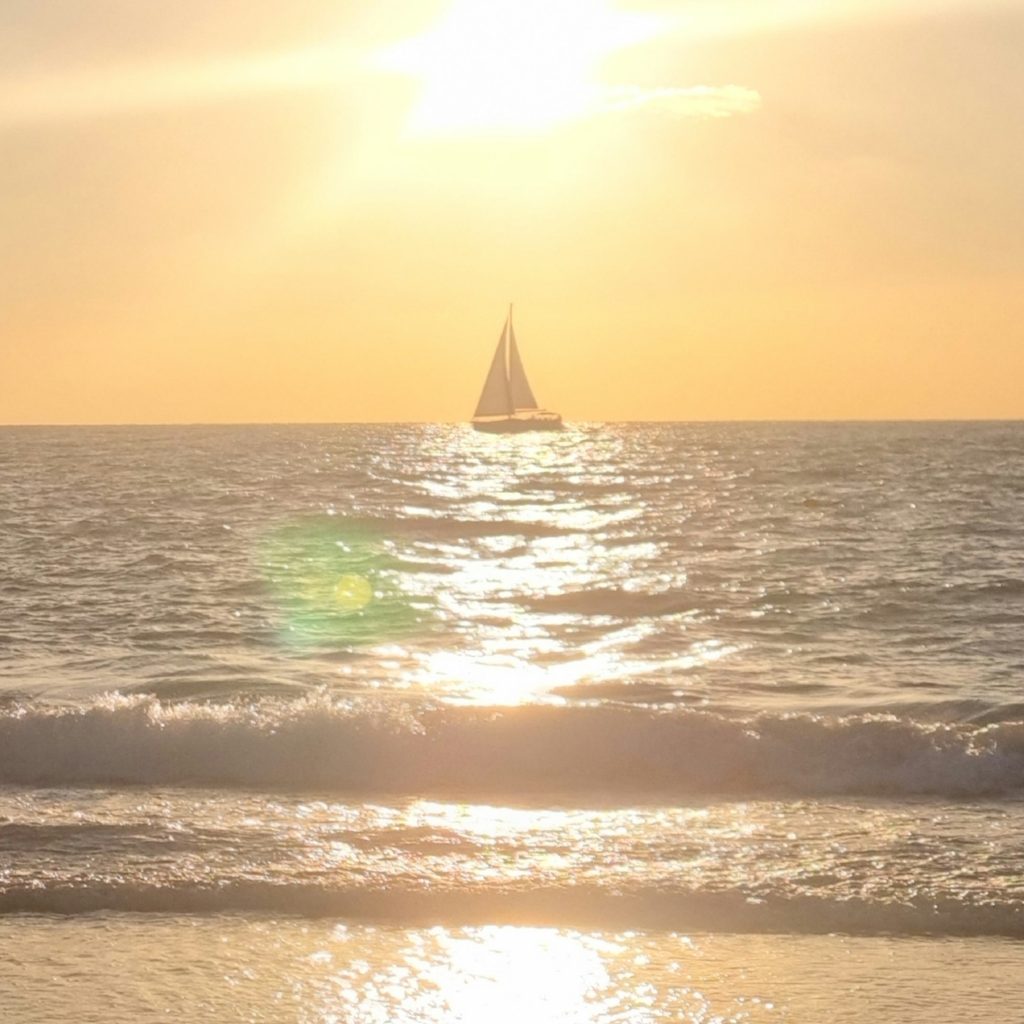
(512, 66)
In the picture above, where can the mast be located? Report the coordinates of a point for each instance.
(509, 333)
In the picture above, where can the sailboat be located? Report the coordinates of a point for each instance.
(507, 404)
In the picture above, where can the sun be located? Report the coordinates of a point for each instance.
(512, 66)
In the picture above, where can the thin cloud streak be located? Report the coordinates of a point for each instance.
(134, 89)
(716, 18)
(700, 101)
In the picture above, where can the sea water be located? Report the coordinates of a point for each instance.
(707, 722)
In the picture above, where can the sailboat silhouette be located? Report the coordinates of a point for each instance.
(507, 404)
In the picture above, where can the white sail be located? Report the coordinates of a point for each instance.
(496, 397)
(507, 404)
(518, 386)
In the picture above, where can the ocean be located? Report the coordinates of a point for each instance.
(403, 723)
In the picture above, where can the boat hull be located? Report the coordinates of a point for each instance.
(518, 424)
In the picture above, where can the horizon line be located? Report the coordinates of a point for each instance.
(428, 423)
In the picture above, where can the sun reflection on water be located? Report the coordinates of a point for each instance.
(491, 582)
(502, 974)
(511, 975)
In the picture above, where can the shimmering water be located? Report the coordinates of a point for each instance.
(605, 689)
(156, 967)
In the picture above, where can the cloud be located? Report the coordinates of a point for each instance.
(700, 101)
(131, 89)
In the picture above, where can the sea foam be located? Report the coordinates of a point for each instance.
(577, 752)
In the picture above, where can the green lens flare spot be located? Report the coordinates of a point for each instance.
(337, 583)
(352, 592)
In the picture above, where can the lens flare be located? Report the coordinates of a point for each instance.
(336, 584)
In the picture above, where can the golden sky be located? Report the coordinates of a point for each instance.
(317, 211)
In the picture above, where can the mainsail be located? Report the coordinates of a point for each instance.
(496, 397)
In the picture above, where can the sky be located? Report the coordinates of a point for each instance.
(256, 211)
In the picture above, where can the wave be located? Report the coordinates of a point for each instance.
(513, 753)
(616, 602)
(440, 527)
(581, 906)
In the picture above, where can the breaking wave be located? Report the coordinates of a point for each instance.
(582, 751)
